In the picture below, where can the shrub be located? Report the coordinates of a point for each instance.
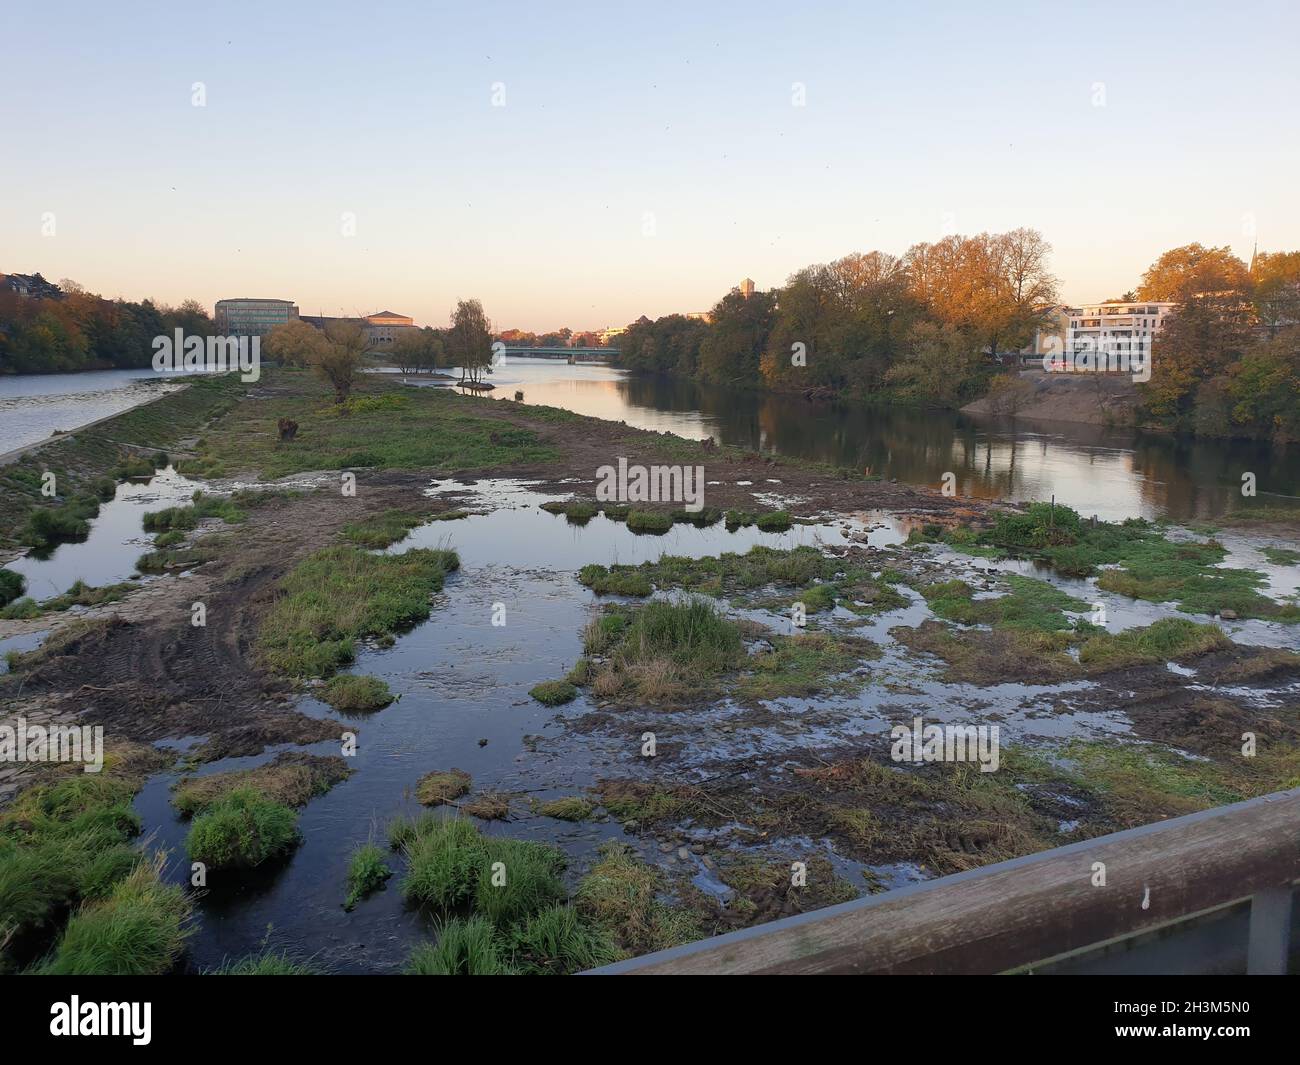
(11, 585)
(774, 521)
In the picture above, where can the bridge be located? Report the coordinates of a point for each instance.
(567, 354)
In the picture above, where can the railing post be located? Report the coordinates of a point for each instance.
(1269, 946)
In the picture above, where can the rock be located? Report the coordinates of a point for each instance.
(683, 854)
(665, 847)
(1228, 615)
(482, 743)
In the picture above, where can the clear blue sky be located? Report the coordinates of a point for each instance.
(920, 118)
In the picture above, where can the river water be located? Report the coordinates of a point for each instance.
(1113, 473)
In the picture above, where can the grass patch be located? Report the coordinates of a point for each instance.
(615, 580)
(138, 929)
(569, 808)
(352, 694)
(463, 947)
(440, 787)
(558, 941)
(367, 873)
(242, 830)
(174, 558)
(1169, 639)
(291, 779)
(188, 517)
(268, 963)
(1030, 604)
(1281, 556)
(80, 594)
(383, 426)
(774, 521)
(652, 522)
(554, 692)
(806, 665)
(341, 594)
(381, 530)
(450, 863)
(621, 896)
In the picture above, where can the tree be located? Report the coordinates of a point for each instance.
(1194, 270)
(340, 356)
(469, 341)
(1276, 278)
(294, 343)
(938, 365)
(737, 337)
(1264, 387)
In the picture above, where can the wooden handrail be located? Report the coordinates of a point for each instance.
(1026, 910)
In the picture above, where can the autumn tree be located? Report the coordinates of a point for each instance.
(293, 343)
(1193, 270)
(469, 341)
(340, 356)
(1276, 284)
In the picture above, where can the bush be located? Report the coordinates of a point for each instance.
(242, 830)
(12, 585)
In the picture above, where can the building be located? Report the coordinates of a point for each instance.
(252, 317)
(606, 335)
(746, 288)
(1116, 328)
(30, 286)
(382, 328)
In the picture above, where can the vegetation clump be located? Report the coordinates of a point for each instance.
(367, 873)
(342, 594)
(554, 692)
(615, 580)
(188, 517)
(569, 808)
(381, 530)
(80, 594)
(352, 694)
(291, 778)
(242, 830)
(138, 929)
(653, 522)
(440, 787)
(12, 586)
(621, 895)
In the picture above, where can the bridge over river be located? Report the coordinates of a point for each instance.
(567, 354)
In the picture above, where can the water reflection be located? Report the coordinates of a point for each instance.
(1114, 473)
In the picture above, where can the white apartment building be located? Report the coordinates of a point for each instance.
(1116, 328)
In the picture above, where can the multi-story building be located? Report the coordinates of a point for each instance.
(252, 317)
(746, 288)
(1116, 328)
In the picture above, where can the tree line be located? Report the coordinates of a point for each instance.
(926, 326)
(934, 326)
(72, 329)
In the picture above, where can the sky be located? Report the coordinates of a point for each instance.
(583, 164)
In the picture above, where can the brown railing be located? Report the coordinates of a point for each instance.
(1209, 892)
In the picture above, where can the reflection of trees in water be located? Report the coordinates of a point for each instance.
(992, 458)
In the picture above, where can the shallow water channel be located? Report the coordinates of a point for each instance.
(461, 681)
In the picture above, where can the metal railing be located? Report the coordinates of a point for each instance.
(1209, 892)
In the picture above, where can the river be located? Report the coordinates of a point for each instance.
(1113, 473)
